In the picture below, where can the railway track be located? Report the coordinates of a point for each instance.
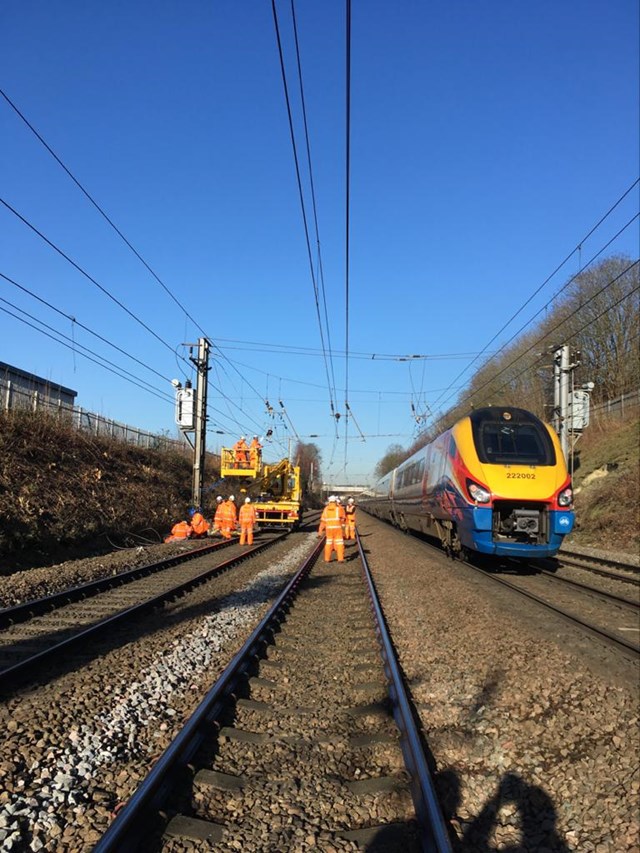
(597, 621)
(306, 742)
(623, 571)
(38, 633)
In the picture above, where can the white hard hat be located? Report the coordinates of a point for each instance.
(350, 501)
(331, 498)
(241, 437)
(219, 498)
(247, 500)
(231, 498)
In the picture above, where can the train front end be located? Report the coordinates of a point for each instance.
(517, 484)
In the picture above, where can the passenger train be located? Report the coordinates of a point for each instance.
(495, 483)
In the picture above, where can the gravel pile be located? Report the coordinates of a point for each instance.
(535, 737)
(77, 747)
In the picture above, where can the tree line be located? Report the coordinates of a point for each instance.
(596, 312)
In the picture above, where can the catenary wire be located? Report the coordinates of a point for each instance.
(347, 222)
(82, 326)
(86, 275)
(144, 387)
(555, 295)
(538, 341)
(548, 279)
(107, 219)
(301, 195)
(313, 197)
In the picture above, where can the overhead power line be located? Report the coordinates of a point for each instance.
(82, 326)
(99, 360)
(301, 195)
(86, 275)
(313, 198)
(347, 221)
(549, 277)
(558, 292)
(538, 341)
(108, 219)
(100, 210)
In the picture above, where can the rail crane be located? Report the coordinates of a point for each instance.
(274, 489)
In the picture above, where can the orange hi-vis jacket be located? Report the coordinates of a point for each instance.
(247, 516)
(199, 524)
(181, 530)
(331, 524)
(227, 518)
(331, 521)
(240, 449)
(350, 521)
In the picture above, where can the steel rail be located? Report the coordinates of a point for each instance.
(568, 617)
(601, 561)
(38, 606)
(601, 593)
(9, 677)
(599, 570)
(434, 835)
(131, 825)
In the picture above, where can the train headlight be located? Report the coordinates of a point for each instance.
(478, 493)
(565, 498)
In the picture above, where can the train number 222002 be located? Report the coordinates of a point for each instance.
(511, 475)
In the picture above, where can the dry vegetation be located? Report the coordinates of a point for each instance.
(64, 492)
(607, 484)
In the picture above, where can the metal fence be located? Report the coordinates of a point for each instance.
(619, 406)
(13, 397)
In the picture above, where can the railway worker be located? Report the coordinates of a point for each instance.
(179, 532)
(228, 518)
(199, 523)
(217, 518)
(331, 524)
(254, 452)
(240, 449)
(247, 519)
(350, 521)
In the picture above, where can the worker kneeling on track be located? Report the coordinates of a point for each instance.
(247, 519)
(199, 523)
(179, 532)
(331, 524)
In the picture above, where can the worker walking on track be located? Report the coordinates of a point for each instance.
(254, 452)
(350, 521)
(199, 523)
(247, 519)
(240, 449)
(331, 524)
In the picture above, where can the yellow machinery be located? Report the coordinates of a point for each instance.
(274, 489)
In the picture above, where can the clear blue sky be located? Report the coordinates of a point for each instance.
(486, 140)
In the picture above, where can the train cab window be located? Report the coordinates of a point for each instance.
(519, 440)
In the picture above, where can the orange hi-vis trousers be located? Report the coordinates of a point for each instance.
(350, 525)
(246, 534)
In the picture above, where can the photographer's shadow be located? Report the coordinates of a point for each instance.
(535, 811)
